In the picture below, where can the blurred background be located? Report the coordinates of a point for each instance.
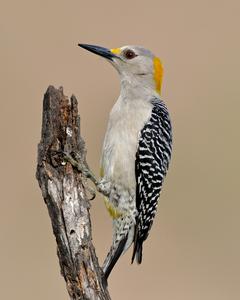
(193, 250)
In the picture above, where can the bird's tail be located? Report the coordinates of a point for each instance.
(137, 247)
(113, 256)
(118, 248)
(137, 252)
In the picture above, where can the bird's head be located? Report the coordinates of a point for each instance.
(136, 65)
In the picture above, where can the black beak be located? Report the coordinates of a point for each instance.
(104, 52)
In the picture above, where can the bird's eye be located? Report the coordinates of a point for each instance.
(129, 54)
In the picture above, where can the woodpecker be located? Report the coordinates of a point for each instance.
(136, 150)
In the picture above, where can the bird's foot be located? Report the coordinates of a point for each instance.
(76, 161)
(91, 191)
(103, 188)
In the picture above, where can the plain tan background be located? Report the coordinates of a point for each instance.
(193, 250)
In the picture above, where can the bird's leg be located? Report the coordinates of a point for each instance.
(82, 167)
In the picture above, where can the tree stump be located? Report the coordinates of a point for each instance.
(63, 190)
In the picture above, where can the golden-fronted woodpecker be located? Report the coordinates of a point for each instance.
(136, 149)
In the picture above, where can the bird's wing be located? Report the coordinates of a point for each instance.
(152, 160)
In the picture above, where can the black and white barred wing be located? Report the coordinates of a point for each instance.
(152, 160)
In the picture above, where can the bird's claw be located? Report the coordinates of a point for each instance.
(92, 193)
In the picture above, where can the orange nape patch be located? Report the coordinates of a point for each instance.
(116, 50)
(158, 73)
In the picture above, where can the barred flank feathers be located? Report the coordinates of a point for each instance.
(152, 161)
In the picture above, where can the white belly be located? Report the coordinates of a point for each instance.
(127, 119)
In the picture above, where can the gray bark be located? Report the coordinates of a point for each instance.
(63, 190)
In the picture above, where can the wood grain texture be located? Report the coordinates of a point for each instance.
(65, 196)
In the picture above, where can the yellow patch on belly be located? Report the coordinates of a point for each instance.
(113, 211)
(101, 172)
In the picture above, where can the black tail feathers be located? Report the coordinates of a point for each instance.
(137, 251)
(115, 257)
(137, 247)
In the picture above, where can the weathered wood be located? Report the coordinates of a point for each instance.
(65, 196)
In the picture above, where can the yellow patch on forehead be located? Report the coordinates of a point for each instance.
(158, 73)
(116, 50)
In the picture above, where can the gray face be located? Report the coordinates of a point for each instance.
(133, 60)
(135, 64)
